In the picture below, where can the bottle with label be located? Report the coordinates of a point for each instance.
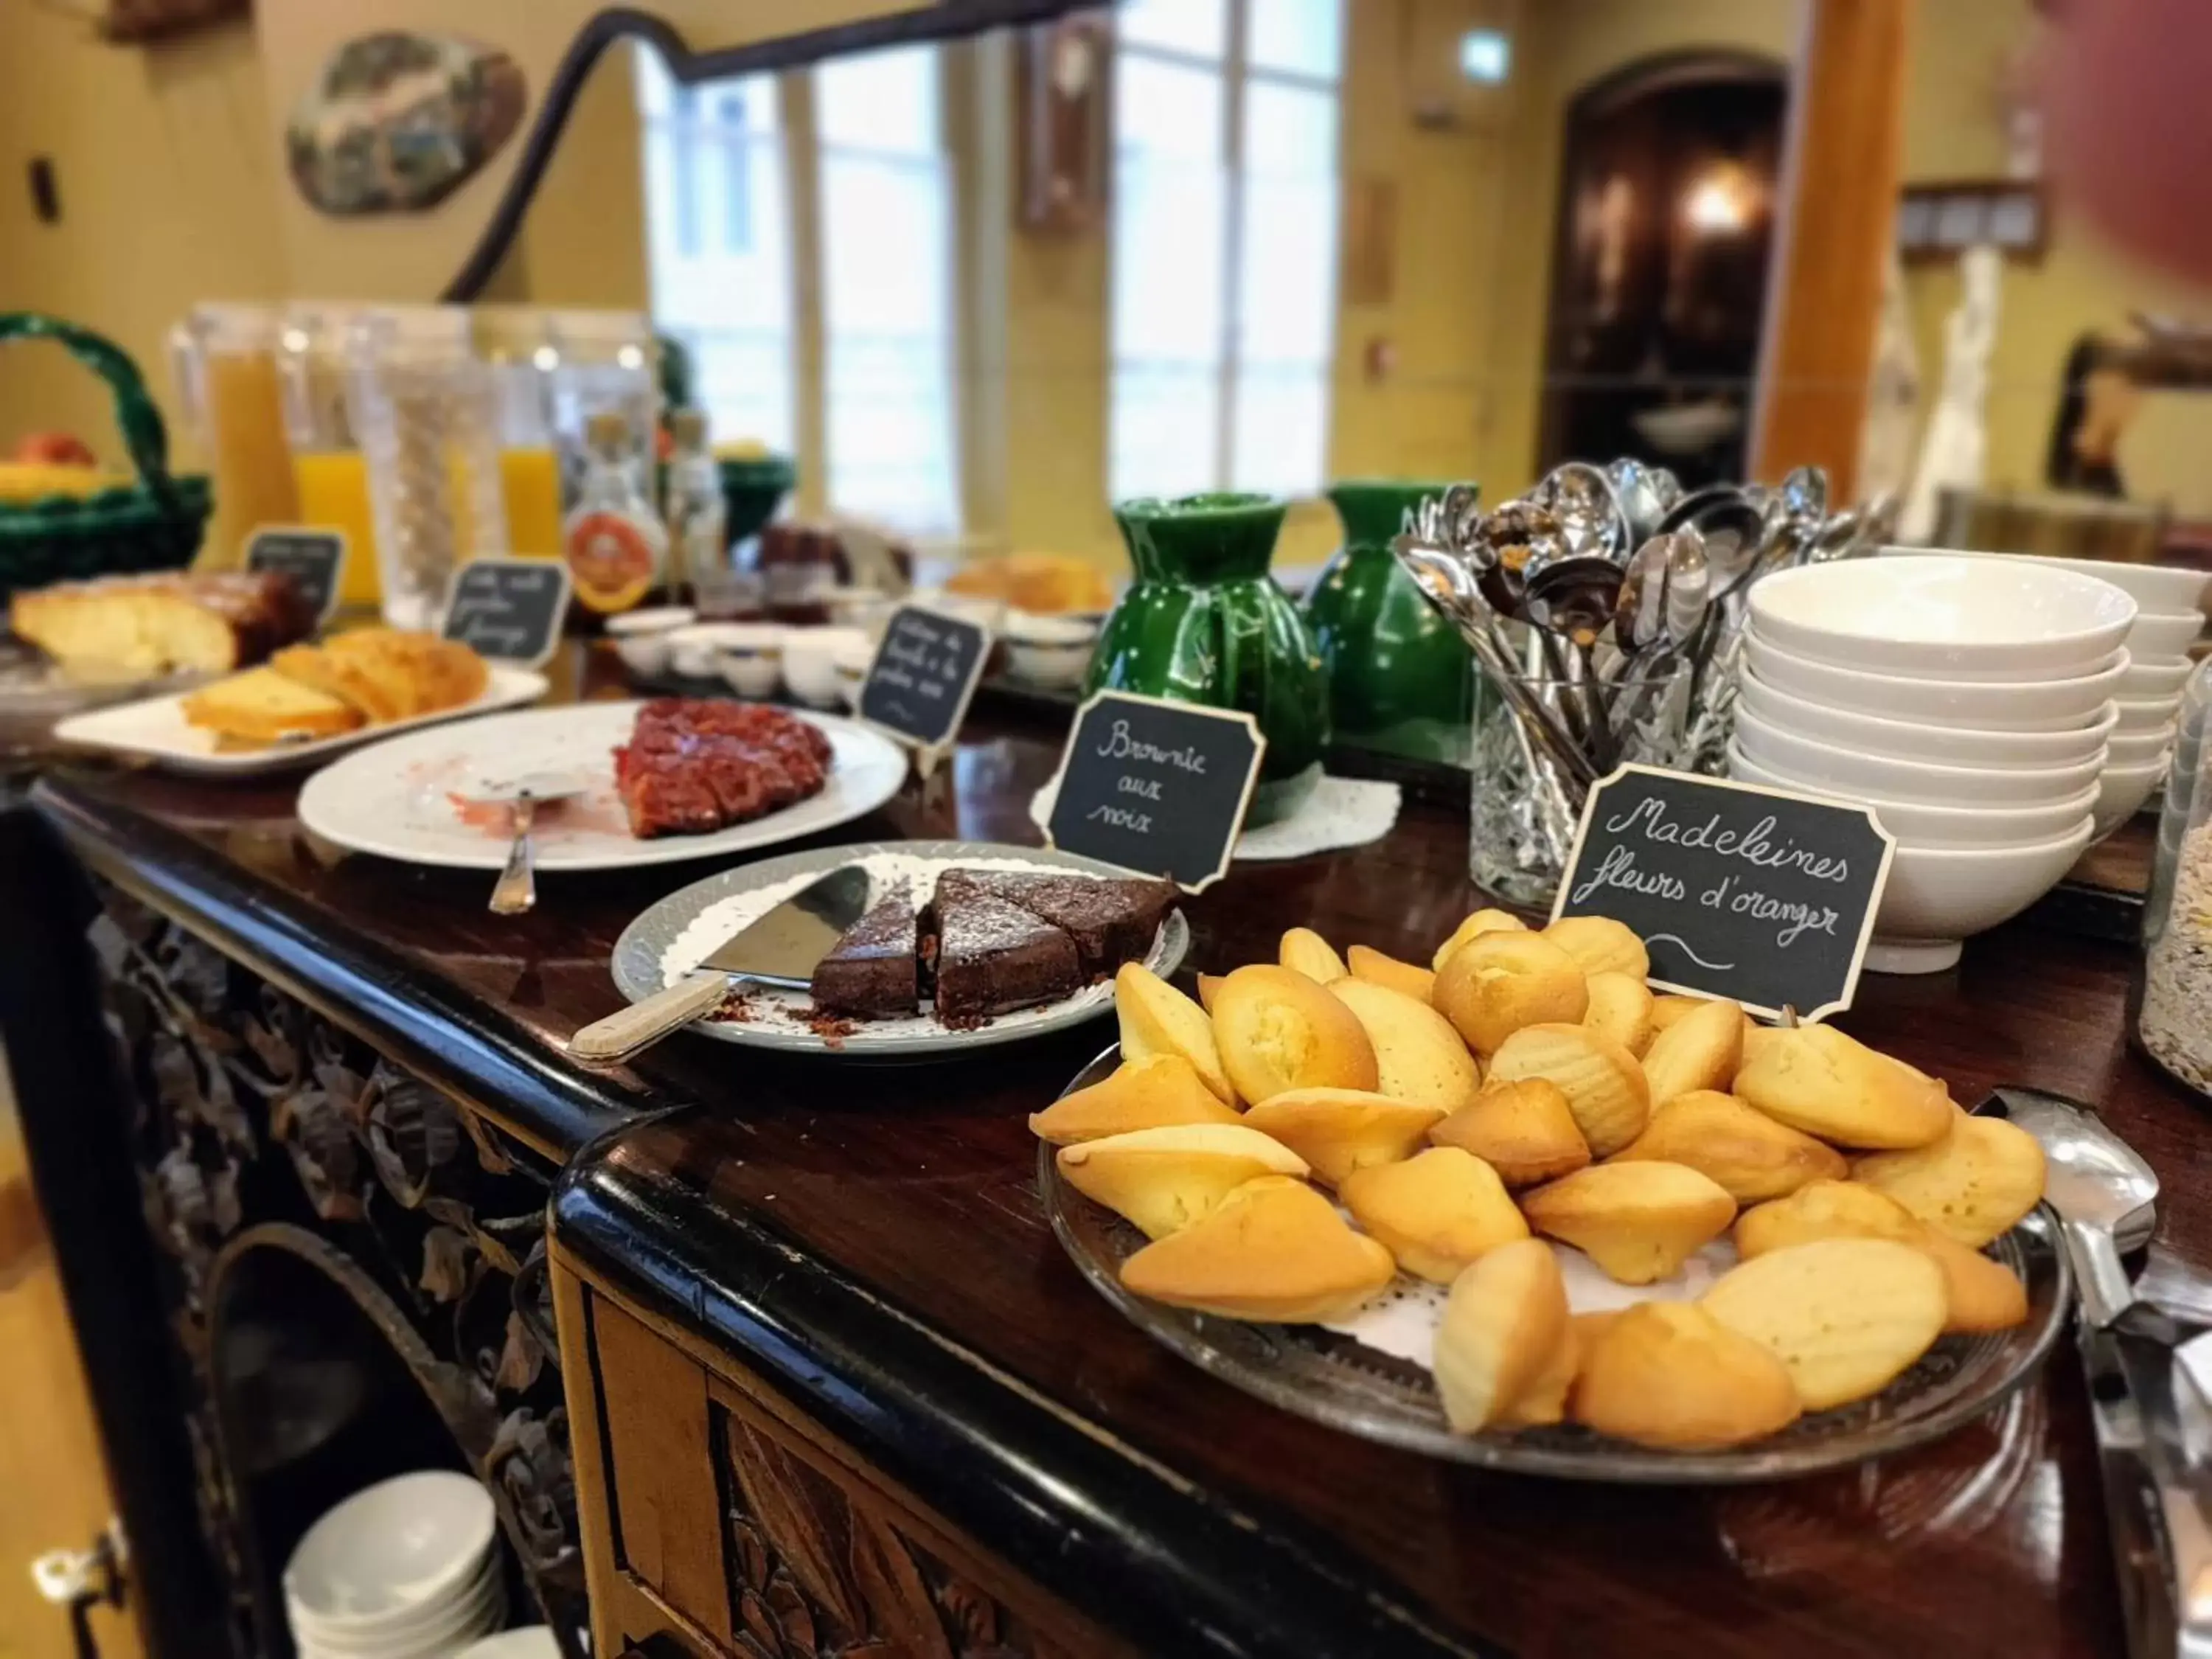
(614, 543)
(699, 561)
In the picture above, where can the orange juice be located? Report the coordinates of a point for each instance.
(530, 478)
(333, 485)
(250, 464)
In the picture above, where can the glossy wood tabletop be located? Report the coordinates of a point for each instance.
(917, 1181)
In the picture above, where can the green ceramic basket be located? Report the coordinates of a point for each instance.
(156, 523)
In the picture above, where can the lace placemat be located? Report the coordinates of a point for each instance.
(1341, 812)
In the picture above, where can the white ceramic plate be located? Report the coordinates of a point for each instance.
(668, 940)
(395, 799)
(155, 730)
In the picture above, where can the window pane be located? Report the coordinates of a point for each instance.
(1166, 418)
(1199, 27)
(1305, 37)
(884, 101)
(1167, 110)
(1289, 132)
(1281, 436)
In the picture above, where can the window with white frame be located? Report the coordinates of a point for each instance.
(723, 161)
(1225, 247)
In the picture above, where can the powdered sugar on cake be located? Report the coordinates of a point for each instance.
(888, 873)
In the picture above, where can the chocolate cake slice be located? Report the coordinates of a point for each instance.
(871, 972)
(992, 956)
(1111, 919)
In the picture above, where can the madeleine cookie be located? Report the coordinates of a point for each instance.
(1502, 1325)
(1156, 1018)
(1340, 1130)
(1845, 1316)
(1668, 1374)
(1639, 1222)
(1814, 1078)
(1165, 1179)
(1544, 1401)
(1417, 1055)
(1141, 1094)
(1620, 1008)
(1604, 1086)
(1701, 1050)
(1746, 1152)
(1305, 952)
(1499, 982)
(1277, 1029)
(1274, 1250)
(1481, 922)
(1525, 1131)
(1979, 1294)
(1378, 969)
(1602, 945)
(1438, 1211)
(1973, 1183)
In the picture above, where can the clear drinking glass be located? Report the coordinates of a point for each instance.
(425, 412)
(1526, 804)
(2173, 1018)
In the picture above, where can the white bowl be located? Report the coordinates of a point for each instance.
(1944, 618)
(852, 660)
(531, 1642)
(2123, 790)
(1937, 896)
(640, 637)
(1033, 628)
(2151, 681)
(1960, 745)
(404, 1544)
(692, 651)
(437, 1630)
(2142, 714)
(1053, 667)
(2056, 705)
(2164, 587)
(1854, 771)
(2137, 749)
(2165, 637)
(750, 662)
(1918, 824)
(809, 662)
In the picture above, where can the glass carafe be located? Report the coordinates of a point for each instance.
(225, 360)
(329, 472)
(2173, 1015)
(421, 405)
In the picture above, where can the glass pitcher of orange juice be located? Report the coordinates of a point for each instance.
(514, 341)
(225, 360)
(329, 471)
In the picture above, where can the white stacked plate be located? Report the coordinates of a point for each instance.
(1970, 702)
(406, 1569)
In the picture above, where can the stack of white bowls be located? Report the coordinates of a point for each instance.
(1969, 702)
(407, 1569)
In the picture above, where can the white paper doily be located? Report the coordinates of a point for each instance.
(1341, 812)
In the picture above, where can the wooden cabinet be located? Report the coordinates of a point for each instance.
(717, 1519)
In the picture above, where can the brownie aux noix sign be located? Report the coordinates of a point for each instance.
(1156, 787)
(1759, 895)
(314, 560)
(508, 608)
(924, 673)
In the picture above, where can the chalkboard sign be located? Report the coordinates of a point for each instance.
(923, 675)
(1156, 786)
(313, 559)
(1759, 895)
(508, 608)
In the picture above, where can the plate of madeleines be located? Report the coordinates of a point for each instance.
(1514, 1208)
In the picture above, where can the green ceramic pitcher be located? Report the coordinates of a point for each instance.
(1204, 622)
(1400, 679)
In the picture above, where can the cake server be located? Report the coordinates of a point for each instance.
(780, 949)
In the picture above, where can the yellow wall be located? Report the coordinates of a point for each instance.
(167, 182)
(1955, 129)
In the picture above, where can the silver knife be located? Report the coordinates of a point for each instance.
(781, 949)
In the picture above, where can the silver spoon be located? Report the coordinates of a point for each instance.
(1580, 497)
(516, 890)
(1637, 492)
(2101, 1188)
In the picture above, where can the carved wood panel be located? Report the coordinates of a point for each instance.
(249, 1109)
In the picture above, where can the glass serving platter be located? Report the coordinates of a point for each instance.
(1337, 1380)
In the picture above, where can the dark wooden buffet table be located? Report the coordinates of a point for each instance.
(864, 1247)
